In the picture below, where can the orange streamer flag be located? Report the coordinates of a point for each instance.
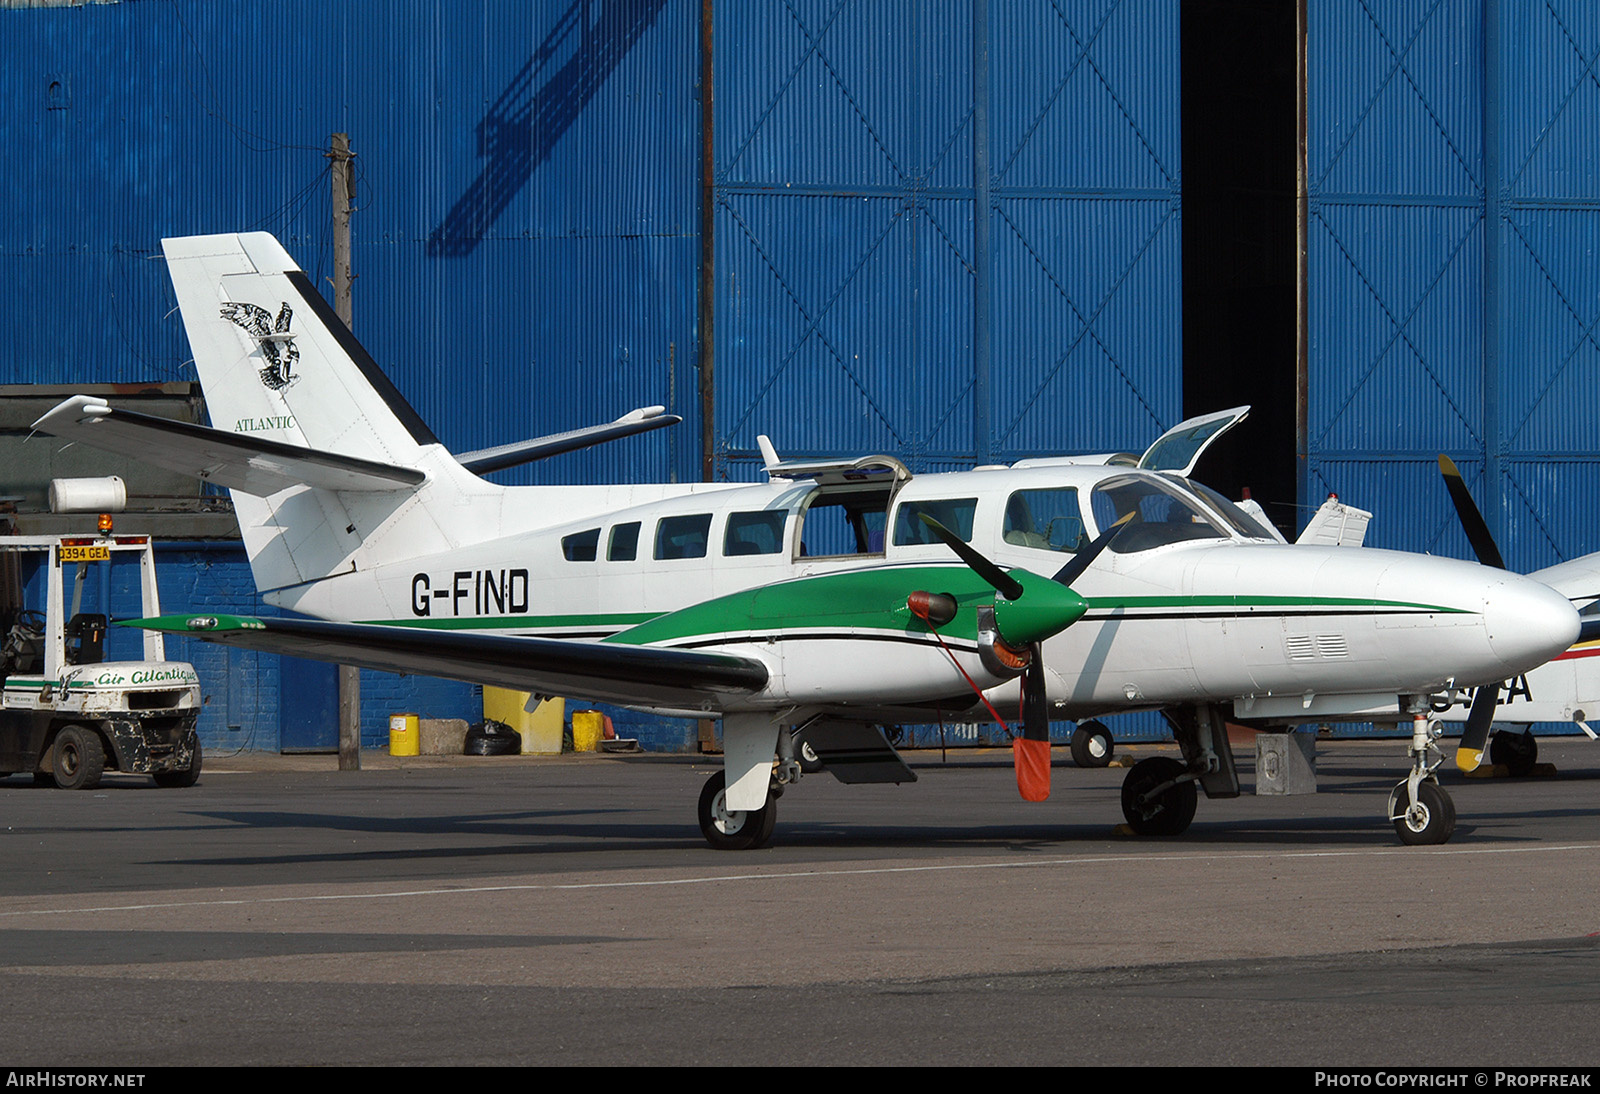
(1033, 768)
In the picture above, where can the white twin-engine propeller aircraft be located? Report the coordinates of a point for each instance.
(809, 610)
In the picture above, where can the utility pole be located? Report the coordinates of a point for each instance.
(343, 191)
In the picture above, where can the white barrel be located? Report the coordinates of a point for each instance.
(107, 495)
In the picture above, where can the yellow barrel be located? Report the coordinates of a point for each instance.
(587, 728)
(405, 738)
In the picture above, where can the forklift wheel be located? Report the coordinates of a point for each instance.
(79, 760)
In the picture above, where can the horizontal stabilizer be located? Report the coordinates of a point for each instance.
(635, 675)
(236, 460)
(539, 448)
(1336, 524)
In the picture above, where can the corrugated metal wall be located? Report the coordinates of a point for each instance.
(945, 230)
(525, 236)
(525, 240)
(1455, 294)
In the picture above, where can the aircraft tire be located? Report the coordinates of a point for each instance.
(178, 780)
(1432, 820)
(733, 830)
(1517, 752)
(79, 760)
(1092, 745)
(1168, 815)
(810, 762)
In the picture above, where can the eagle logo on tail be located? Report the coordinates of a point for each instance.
(273, 336)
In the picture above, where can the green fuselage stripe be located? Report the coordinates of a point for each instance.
(873, 600)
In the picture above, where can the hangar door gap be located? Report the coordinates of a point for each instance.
(1240, 241)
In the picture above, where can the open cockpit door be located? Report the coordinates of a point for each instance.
(1180, 448)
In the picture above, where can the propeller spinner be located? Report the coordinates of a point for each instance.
(1029, 608)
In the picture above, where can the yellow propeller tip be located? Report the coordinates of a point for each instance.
(1468, 759)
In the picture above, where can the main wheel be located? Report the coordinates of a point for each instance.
(810, 762)
(1167, 814)
(733, 829)
(1428, 820)
(180, 779)
(79, 758)
(1092, 745)
(1518, 752)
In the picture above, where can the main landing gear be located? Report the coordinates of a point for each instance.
(1159, 797)
(1159, 794)
(761, 759)
(1420, 808)
(734, 829)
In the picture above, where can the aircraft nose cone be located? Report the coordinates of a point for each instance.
(1527, 623)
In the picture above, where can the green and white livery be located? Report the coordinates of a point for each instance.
(807, 610)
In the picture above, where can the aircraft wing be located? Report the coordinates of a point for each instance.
(239, 461)
(510, 455)
(632, 675)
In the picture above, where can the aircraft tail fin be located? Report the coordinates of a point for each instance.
(274, 360)
(332, 471)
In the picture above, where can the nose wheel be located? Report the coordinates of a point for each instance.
(734, 829)
(1420, 808)
(1430, 816)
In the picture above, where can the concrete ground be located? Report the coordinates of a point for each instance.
(566, 910)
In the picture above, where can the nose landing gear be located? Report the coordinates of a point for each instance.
(1420, 808)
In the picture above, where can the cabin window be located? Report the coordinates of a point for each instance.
(1045, 520)
(624, 543)
(683, 537)
(754, 533)
(581, 546)
(955, 514)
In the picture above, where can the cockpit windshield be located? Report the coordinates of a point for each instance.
(1161, 513)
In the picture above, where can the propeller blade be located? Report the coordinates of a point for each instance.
(1035, 709)
(1002, 583)
(1471, 519)
(1475, 738)
(1023, 617)
(1080, 561)
(1030, 751)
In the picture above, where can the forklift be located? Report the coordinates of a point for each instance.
(67, 715)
